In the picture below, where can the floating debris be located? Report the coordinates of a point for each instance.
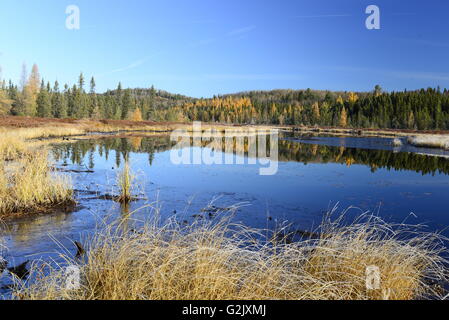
(80, 249)
(20, 271)
(212, 210)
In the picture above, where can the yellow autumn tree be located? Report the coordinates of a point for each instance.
(316, 112)
(343, 118)
(340, 100)
(5, 103)
(136, 115)
(34, 80)
(353, 97)
(30, 90)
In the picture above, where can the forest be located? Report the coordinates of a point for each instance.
(422, 109)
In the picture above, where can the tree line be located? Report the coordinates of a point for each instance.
(419, 109)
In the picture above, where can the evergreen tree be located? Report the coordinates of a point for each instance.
(81, 82)
(126, 104)
(343, 118)
(92, 86)
(58, 102)
(43, 102)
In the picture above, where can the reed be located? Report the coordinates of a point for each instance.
(125, 180)
(11, 147)
(28, 185)
(224, 261)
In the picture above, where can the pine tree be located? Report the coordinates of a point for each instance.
(43, 102)
(5, 101)
(92, 85)
(126, 104)
(411, 120)
(81, 82)
(58, 102)
(70, 95)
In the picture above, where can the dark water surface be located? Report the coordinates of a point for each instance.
(315, 174)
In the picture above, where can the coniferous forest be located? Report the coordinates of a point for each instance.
(423, 109)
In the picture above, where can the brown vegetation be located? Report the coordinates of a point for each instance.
(223, 261)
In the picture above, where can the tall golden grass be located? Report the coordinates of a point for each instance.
(28, 184)
(26, 181)
(11, 147)
(224, 261)
(125, 180)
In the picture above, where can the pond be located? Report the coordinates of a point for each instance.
(315, 174)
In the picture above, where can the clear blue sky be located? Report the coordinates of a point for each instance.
(201, 48)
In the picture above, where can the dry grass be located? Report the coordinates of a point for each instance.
(28, 184)
(430, 141)
(29, 128)
(125, 181)
(11, 147)
(223, 261)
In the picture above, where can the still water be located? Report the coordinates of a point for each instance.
(315, 175)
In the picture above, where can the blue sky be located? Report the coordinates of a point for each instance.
(206, 47)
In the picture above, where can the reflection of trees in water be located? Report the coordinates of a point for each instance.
(288, 151)
(76, 152)
(375, 159)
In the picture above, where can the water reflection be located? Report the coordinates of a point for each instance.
(289, 150)
(76, 153)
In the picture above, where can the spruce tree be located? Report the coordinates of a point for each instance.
(43, 102)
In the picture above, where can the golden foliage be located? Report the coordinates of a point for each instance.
(343, 118)
(136, 115)
(353, 97)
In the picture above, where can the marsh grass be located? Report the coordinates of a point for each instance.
(221, 261)
(125, 181)
(430, 141)
(28, 184)
(11, 147)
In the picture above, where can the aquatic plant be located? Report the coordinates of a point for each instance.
(220, 261)
(125, 181)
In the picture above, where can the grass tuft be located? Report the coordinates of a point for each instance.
(125, 181)
(29, 185)
(223, 261)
